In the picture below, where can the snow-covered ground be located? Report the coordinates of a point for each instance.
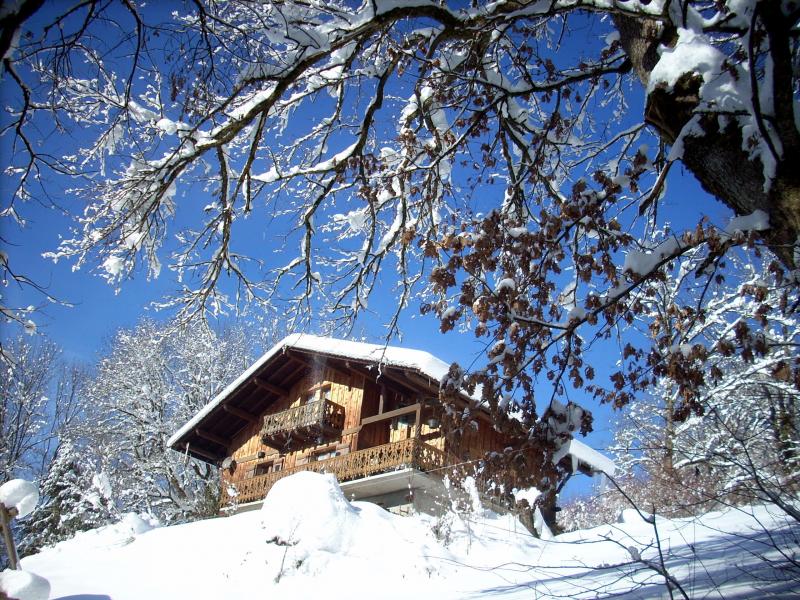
(310, 542)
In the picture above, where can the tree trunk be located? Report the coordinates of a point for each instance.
(717, 159)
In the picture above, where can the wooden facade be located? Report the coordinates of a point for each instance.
(318, 411)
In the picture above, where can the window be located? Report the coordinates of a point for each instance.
(262, 469)
(324, 455)
(272, 466)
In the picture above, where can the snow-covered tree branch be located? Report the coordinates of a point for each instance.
(506, 160)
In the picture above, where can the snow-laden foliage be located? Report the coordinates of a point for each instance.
(76, 497)
(374, 131)
(39, 401)
(24, 390)
(742, 441)
(153, 379)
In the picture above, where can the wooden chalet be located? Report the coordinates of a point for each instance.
(367, 413)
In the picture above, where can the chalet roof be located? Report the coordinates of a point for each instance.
(372, 356)
(261, 383)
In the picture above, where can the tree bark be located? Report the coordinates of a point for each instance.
(717, 159)
(12, 21)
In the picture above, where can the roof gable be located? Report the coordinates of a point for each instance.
(382, 358)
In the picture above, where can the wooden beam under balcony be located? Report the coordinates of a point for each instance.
(266, 385)
(414, 408)
(242, 414)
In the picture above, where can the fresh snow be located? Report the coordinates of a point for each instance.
(22, 585)
(19, 494)
(308, 541)
(643, 263)
(581, 453)
(505, 284)
(758, 220)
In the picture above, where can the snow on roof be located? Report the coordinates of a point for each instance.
(581, 453)
(378, 354)
(381, 355)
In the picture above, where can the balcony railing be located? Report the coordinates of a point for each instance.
(363, 463)
(304, 425)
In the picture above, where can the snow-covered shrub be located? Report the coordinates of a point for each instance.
(741, 443)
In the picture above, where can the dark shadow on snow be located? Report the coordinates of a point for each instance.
(743, 576)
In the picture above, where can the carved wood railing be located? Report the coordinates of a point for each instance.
(309, 423)
(363, 463)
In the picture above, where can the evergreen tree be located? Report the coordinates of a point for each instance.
(76, 498)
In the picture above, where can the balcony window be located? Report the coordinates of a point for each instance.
(272, 466)
(324, 455)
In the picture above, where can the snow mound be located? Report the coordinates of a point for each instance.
(309, 541)
(308, 508)
(121, 532)
(19, 494)
(631, 516)
(317, 532)
(22, 585)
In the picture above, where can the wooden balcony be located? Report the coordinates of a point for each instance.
(363, 463)
(305, 425)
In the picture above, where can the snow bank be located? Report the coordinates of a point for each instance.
(22, 585)
(118, 534)
(19, 494)
(307, 518)
(309, 509)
